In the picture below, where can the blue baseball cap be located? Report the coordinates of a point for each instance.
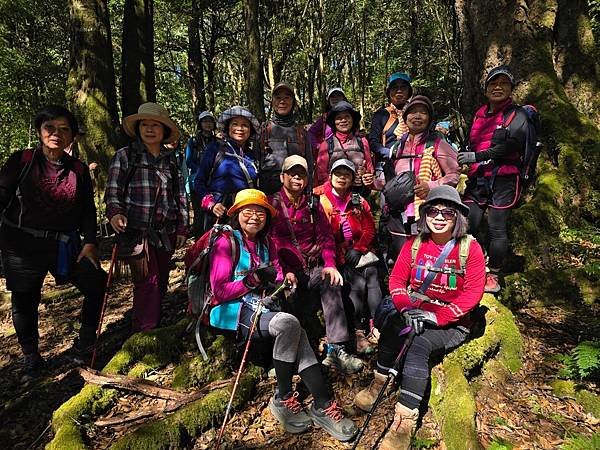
(399, 76)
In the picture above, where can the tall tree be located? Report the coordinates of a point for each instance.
(91, 82)
(254, 71)
(195, 64)
(138, 83)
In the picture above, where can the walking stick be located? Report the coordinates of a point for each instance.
(113, 259)
(243, 363)
(392, 374)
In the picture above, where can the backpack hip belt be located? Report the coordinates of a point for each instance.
(44, 234)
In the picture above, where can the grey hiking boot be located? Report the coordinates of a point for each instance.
(32, 366)
(290, 414)
(339, 359)
(332, 420)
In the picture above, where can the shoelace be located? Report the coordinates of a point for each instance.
(334, 411)
(292, 403)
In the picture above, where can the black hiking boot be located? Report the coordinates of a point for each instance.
(32, 367)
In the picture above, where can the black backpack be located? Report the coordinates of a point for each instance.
(533, 146)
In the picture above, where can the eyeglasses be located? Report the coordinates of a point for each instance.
(248, 213)
(296, 173)
(447, 213)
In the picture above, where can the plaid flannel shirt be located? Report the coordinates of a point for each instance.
(137, 203)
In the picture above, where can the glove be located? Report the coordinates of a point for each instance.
(352, 257)
(466, 158)
(266, 274)
(417, 319)
(271, 303)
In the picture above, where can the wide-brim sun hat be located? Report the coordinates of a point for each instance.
(247, 197)
(444, 194)
(419, 100)
(237, 111)
(343, 163)
(205, 114)
(499, 70)
(151, 111)
(342, 106)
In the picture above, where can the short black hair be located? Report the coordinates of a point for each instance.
(52, 112)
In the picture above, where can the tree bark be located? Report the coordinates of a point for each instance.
(137, 66)
(91, 83)
(195, 65)
(254, 68)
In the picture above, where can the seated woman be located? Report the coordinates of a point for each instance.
(227, 165)
(256, 267)
(353, 228)
(439, 315)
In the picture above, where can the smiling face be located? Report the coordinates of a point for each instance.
(253, 219)
(499, 89)
(440, 220)
(342, 179)
(239, 130)
(56, 134)
(283, 101)
(343, 122)
(152, 132)
(417, 119)
(294, 180)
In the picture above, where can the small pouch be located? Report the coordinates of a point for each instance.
(132, 247)
(69, 245)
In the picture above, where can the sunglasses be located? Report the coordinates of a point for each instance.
(248, 213)
(447, 213)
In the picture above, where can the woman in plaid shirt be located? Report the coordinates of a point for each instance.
(145, 198)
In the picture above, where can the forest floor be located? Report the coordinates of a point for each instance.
(520, 413)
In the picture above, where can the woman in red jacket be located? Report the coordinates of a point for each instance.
(438, 312)
(354, 231)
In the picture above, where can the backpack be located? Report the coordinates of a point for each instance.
(361, 146)
(197, 278)
(464, 244)
(533, 146)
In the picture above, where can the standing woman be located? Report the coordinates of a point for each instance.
(439, 316)
(228, 165)
(240, 283)
(47, 201)
(146, 202)
(320, 130)
(344, 143)
(193, 155)
(429, 157)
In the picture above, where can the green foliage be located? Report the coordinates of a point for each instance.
(583, 362)
(580, 442)
(500, 444)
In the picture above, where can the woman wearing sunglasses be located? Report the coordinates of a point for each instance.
(238, 284)
(439, 314)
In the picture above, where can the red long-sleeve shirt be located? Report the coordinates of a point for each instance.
(452, 304)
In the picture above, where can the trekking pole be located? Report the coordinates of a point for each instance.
(392, 375)
(113, 259)
(243, 363)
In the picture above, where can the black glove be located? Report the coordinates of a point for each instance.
(266, 274)
(466, 158)
(352, 257)
(417, 318)
(271, 303)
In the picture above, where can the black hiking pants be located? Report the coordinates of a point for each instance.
(25, 273)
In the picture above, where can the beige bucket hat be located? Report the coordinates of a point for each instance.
(151, 111)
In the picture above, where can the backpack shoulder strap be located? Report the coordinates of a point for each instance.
(415, 248)
(361, 144)
(463, 250)
(134, 156)
(330, 147)
(327, 205)
(509, 115)
(390, 121)
(219, 157)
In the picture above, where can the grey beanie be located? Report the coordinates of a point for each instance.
(444, 193)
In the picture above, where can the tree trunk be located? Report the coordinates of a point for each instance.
(91, 82)
(254, 69)
(137, 65)
(195, 65)
(526, 36)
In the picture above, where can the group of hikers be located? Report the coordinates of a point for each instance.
(342, 220)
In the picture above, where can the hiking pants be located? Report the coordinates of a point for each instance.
(426, 350)
(25, 273)
(147, 293)
(310, 288)
(497, 228)
(290, 343)
(363, 282)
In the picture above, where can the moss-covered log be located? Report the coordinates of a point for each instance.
(452, 397)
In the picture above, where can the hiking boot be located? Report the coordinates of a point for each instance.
(363, 346)
(492, 284)
(400, 432)
(365, 398)
(82, 350)
(339, 359)
(332, 420)
(32, 367)
(290, 414)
